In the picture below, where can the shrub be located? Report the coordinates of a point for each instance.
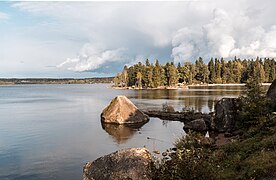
(189, 160)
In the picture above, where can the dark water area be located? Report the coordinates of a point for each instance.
(51, 131)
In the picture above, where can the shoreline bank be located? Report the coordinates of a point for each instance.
(184, 86)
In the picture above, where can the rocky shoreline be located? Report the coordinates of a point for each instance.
(134, 163)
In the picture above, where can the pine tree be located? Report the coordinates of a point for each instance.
(181, 74)
(164, 80)
(244, 74)
(150, 76)
(230, 75)
(139, 80)
(131, 76)
(224, 72)
(124, 77)
(272, 74)
(117, 79)
(267, 69)
(172, 75)
(237, 71)
(218, 70)
(258, 73)
(211, 68)
(205, 73)
(189, 71)
(201, 70)
(156, 74)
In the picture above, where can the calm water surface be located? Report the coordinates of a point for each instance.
(51, 131)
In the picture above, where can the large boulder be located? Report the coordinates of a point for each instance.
(225, 115)
(122, 111)
(271, 93)
(132, 163)
(198, 125)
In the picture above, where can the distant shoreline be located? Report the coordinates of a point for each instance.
(18, 81)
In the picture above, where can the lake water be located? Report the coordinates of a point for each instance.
(51, 131)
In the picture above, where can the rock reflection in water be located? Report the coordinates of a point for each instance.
(121, 133)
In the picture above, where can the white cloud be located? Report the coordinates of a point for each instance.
(218, 34)
(226, 35)
(186, 44)
(90, 58)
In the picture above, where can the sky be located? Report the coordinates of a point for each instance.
(96, 39)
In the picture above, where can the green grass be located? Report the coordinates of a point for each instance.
(250, 158)
(254, 157)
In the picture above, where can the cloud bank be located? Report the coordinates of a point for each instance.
(224, 36)
(90, 36)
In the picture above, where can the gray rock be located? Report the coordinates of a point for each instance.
(271, 93)
(132, 163)
(122, 111)
(196, 125)
(225, 114)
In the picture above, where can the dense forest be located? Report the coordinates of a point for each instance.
(217, 71)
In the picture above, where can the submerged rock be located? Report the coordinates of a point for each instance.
(225, 114)
(122, 111)
(177, 116)
(198, 125)
(132, 163)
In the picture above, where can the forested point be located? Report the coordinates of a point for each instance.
(216, 71)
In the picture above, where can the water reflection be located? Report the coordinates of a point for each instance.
(121, 133)
(200, 99)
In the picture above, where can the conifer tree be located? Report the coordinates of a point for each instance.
(157, 74)
(139, 80)
(211, 68)
(124, 77)
(218, 70)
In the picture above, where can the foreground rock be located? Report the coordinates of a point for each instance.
(122, 111)
(132, 163)
(198, 125)
(225, 115)
(271, 93)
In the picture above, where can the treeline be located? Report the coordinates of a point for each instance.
(218, 71)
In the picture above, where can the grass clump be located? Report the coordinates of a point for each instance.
(189, 160)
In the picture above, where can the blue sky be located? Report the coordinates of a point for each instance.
(88, 39)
